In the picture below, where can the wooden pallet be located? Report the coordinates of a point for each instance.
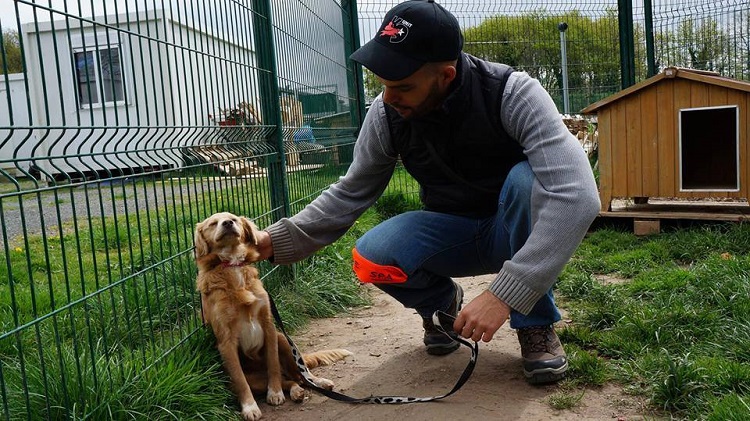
(646, 217)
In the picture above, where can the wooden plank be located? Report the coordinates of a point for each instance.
(699, 95)
(681, 74)
(742, 101)
(745, 142)
(681, 209)
(623, 93)
(677, 215)
(604, 128)
(718, 96)
(646, 226)
(619, 150)
(739, 85)
(681, 101)
(634, 145)
(649, 143)
(666, 137)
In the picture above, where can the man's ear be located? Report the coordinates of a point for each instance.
(249, 228)
(201, 245)
(447, 74)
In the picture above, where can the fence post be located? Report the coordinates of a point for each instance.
(354, 70)
(268, 84)
(649, 28)
(562, 26)
(627, 47)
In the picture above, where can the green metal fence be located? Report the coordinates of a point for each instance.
(706, 35)
(603, 52)
(123, 124)
(121, 127)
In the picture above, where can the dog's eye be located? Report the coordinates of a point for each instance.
(213, 224)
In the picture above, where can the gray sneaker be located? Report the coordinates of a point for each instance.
(544, 359)
(437, 342)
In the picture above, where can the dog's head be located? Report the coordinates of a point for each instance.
(224, 233)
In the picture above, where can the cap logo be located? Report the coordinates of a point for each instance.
(397, 30)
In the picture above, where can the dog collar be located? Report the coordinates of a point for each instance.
(229, 264)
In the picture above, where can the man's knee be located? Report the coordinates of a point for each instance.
(519, 183)
(369, 271)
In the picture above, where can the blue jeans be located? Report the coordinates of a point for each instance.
(432, 247)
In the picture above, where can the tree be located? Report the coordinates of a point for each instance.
(702, 46)
(531, 42)
(10, 55)
(373, 87)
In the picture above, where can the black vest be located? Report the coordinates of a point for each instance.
(463, 167)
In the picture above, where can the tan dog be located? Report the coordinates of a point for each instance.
(257, 357)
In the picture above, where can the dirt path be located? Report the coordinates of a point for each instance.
(389, 359)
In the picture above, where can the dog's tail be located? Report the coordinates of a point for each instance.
(330, 356)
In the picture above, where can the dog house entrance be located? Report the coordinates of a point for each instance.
(709, 159)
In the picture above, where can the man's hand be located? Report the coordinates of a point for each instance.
(482, 317)
(265, 246)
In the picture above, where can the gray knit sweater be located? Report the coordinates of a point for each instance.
(564, 197)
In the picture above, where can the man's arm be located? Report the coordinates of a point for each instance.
(564, 202)
(564, 197)
(332, 213)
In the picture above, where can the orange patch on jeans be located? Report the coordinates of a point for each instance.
(373, 273)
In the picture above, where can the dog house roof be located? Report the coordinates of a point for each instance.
(671, 73)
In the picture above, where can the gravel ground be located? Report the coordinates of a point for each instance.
(52, 210)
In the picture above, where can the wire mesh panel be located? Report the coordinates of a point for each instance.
(526, 34)
(123, 124)
(314, 82)
(711, 35)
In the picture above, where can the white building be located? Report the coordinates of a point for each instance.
(123, 91)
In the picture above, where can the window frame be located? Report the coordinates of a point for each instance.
(98, 80)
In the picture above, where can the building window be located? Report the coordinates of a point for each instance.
(99, 79)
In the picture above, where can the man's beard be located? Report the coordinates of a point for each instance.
(431, 102)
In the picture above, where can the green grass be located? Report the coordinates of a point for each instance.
(565, 399)
(676, 326)
(96, 317)
(110, 325)
(665, 316)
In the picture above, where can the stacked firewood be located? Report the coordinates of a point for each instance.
(584, 129)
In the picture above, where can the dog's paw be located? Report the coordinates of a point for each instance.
(275, 397)
(251, 412)
(297, 393)
(324, 383)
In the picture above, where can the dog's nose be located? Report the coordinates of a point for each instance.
(227, 223)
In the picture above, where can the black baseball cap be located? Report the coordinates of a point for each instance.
(413, 33)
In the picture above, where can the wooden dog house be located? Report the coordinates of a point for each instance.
(682, 134)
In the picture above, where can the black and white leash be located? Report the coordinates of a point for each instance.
(439, 318)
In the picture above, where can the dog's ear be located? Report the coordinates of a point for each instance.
(201, 245)
(249, 229)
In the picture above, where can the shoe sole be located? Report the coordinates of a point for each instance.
(546, 375)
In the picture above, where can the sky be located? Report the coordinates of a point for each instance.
(86, 8)
(373, 9)
(469, 12)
